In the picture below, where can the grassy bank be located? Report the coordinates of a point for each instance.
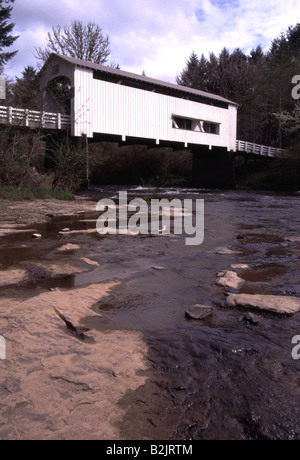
(25, 193)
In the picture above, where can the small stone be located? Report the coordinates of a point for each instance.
(249, 318)
(225, 251)
(90, 262)
(157, 267)
(36, 235)
(284, 245)
(239, 266)
(64, 230)
(198, 312)
(68, 247)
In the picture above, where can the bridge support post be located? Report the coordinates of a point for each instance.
(213, 168)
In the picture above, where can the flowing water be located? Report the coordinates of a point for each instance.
(219, 378)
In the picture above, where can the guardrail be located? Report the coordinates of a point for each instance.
(249, 147)
(34, 119)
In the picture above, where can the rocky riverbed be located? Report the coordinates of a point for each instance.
(98, 342)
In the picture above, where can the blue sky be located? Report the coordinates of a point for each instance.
(155, 36)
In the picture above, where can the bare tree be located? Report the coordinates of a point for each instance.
(80, 41)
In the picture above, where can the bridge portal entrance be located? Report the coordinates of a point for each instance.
(58, 95)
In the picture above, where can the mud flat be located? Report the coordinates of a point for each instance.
(98, 345)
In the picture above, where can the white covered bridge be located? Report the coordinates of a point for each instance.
(108, 101)
(104, 103)
(112, 102)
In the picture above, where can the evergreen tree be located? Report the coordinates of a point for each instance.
(6, 39)
(26, 92)
(260, 83)
(189, 76)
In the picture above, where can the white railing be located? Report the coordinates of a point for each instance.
(34, 119)
(249, 147)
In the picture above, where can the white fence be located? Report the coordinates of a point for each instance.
(34, 119)
(249, 147)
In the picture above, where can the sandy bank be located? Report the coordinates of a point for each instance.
(55, 386)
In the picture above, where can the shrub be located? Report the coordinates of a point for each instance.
(21, 155)
(68, 164)
(280, 174)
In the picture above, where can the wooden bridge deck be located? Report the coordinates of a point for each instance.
(47, 120)
(34, 119)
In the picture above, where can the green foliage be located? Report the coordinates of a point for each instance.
(6, 39)
(19, 194)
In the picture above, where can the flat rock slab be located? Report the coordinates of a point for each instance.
(198, 312)
(10, 277)
(283, 305)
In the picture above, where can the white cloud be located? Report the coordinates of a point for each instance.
(154, 35)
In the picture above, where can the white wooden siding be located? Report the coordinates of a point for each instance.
(110, 108)
(83, 100)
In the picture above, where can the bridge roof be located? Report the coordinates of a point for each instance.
(141, 79)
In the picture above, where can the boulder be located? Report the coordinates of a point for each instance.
(282, 305)
(198, 312)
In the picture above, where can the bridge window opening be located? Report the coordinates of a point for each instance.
(211, 128)
(182, 123)
(199, 126)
